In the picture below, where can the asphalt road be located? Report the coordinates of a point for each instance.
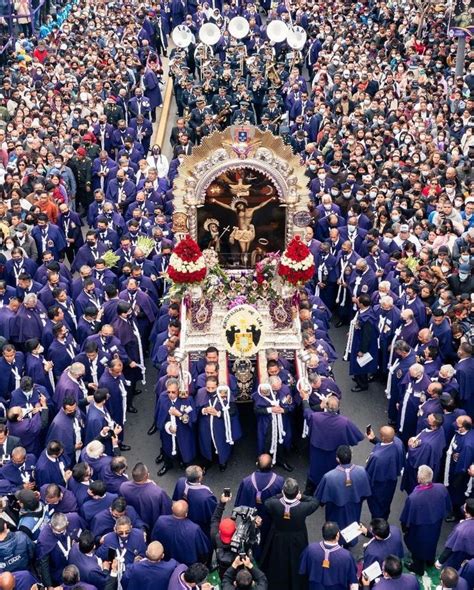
(362, 408)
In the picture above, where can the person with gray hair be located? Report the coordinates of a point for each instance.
(54, 544)
(289, 536)
(423, 513)
(414, 386)
(71, 384)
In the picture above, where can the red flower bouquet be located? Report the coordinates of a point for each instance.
(297, 263)
(187, 264)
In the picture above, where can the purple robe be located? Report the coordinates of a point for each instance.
(461, 543)
(134, 545)
(50, 470)
(413, 393)
(13, 476)
(90, 569)
(409, 333)
(467, 572)
(148, 499)
(185, 435)
(211, 429)
(49, 545)
(63, 428)
(98, 465)
(379, 549)
(112, 480)
(343, 501)
(422, 517)
(465, 378)
(93, 506)
(428, 452)
(24, 580)
(327, 432)
(383, 467)
(117, 403)
(103, 522)
(201, 502)
(265, 419)
(182, 539)
(66, 504)
(148, 575)
(28, 431)
(29, 323)
(68, 387)
(342, 570)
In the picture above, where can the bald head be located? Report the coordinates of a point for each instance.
(333, 404)
(387, 434)
(264, 462)
(155, 551)
(180, 509)
(7, 581)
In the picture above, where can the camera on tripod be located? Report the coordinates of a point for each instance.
(246, 533)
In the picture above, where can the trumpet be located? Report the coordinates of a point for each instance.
(272, 75)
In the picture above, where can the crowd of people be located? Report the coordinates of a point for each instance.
(384, 129)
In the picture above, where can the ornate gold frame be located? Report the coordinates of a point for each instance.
(222, 151)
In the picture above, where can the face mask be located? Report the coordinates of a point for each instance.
(311, 167)
(445, 269)
(334, 193)
(388, 241)
(359, 271)
(90, 243)
(351, 229)
(464, 257)
(373, 194)
(458, 203)
(10, 246)
(346, 194)
(395, 218)
(327, 207)
(334, 170)
(463, 276)
(322, 176)
(359, 198)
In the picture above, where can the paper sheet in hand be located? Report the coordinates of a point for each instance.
(373, 571)
(351, 532)
(364, 359)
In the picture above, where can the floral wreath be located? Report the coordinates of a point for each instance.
(297, 263)
(187, 264)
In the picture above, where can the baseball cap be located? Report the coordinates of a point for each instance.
(226, 530)
(404, 227)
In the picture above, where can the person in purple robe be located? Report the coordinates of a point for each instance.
(54, 545)
(343, 490)
(24, 580)
(383, 467)
(94, 455)
(425, 448)
(150, 573)
(128, 543)
(19, 472)
(184, 577)
(413, 392)
(409, 327)
(30, 320)
(431, 405)
(62, 349)
(465, 377)
(37, 367)
(402, 357)
(459, 546)
(7, 317)
(217, 431)
(143, 306)
(90, 569)
(29, 394)
(114, 475)
(328, 565)
(385, 540)
(80, 480)
(105, 520)
(362, 342)
(58, 499)
(328, 430)
(151, 81)
(176, 417)
(182, 539)
(459, 457)
(51, 466)
(114, 382)
(467, 572)
(71, 385)
(68, 427)
(12, 365)
(99, 499)
(28, 425)
(257, 487)
(148, 499)
(393, 578)
(98, 418)
(200, 499)
(421, 519)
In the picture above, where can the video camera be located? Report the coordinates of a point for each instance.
(246, 533)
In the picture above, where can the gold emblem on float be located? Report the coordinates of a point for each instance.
(243, 329)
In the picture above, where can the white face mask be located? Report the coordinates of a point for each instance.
(351, 229)
(463, 276)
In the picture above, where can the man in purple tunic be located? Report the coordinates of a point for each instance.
(105, 520)
(460, 543)
(51, 466)
(413, 388)
(129, 543)
(151, 573)
(393, 578)
(68, 427)
(114, 381)
(343, 490)
(58, 499)
(27, 426)
(451, 580)
(385, 540)
(182, 539)
(71, 384)
(328, 430)
(194, 576)
(19, 472)
(422, 517)
(256, 488)
(200, 499)
(383, 467)
(175, 420)
(148, 499)
(327, 564)
(54, 544)
(465, 377)
(426, 448)
(74, 580)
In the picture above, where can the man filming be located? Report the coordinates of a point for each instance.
(243, 574)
